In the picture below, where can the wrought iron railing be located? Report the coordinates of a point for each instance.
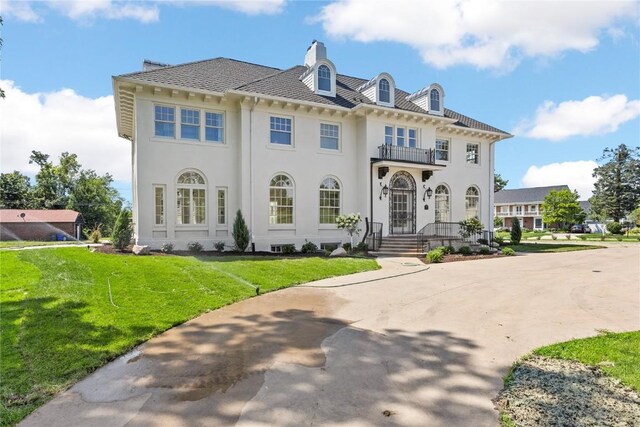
(425, 156)
(450, 230)
(374, 237)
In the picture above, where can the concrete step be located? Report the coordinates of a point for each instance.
(398, 254)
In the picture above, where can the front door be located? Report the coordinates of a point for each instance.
(402, 204)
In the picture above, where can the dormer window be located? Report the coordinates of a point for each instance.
(434, 99)
(324, 78)
(383, 91)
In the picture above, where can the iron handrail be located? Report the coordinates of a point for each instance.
(425, 156)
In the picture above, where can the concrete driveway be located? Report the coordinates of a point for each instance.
(429, 346)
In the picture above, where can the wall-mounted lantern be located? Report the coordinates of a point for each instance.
(428, 193)
(384, 191)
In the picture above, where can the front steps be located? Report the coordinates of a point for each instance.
(407, 245)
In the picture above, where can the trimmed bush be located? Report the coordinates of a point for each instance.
(567, 236)
(499, 240)
(166, 248)
(582, 237)
(288, 249)
(614, 228)
(346, 247)
(194, 247)
(448, 250)
(554, 237)
(95, 235)
(219, 246)
(516, 231)
(508, 251)
(362, 247)
(309, 248)
(485, 250)
(435, 256)
(240, 233)
(465, 250)
(122, 230)
(538, 237)
(483, 241)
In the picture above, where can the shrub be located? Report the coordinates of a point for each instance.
(619, 239)
(582, 237)
(614, 228)
(499, 240)
(435, 256)
(554, 237)
(95, 235)
(465, 250)
(470, 227)
(166, 248)
(635, 230)
(508, 252)
(122, 230)
(485, 250)
(538, 237)
(516, 232)
(362, 247)
(194, 247)
(346, 247)
(330, 247)
(602, 236)
(448, 250)
(240, 233)
(219, 246)
(483, 241)
(289, 249)
(350, 224)
(309, 248)
(567, 236)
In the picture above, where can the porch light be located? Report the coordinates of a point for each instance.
(384, 191)
(427, 193)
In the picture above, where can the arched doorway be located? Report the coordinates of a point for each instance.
(402, 204)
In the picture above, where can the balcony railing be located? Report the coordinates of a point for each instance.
(425, 156)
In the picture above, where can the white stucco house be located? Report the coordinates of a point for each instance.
(294, 148)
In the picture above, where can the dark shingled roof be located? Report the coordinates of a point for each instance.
(526, 195)
(223, 74)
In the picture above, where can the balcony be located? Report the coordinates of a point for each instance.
(394, 153)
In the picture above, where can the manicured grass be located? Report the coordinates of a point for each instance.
(611, 238)
(58, 323)
(616, 354)
(551, 247)
(25, 243)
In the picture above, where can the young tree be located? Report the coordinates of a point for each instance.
(99, 203)
(122, 230)
(516, 231)
(15, 191)
(617, 188)
(562, 208)
(241, 236)
(349, 223)
(498, 182)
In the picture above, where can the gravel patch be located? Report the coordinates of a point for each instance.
(555, 392)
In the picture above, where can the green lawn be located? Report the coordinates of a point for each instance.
(25, 243)
(551, 247)
(616, 354)
(58, 323)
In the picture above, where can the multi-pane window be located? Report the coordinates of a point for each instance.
(190, 124)
(472, 203)
(473, 154)
(400, 136)
(165, 121)
(281, 199)
(329, 201)
(214, 127)
(413, 138)
(388, 135)
(434, 97)
(280, 130)
(158, 194)
(324, 78)
(191, 202)
(442, 204)
(222, 206)
(329, 136)
(518, 210)
(442, 150)
(384, 92)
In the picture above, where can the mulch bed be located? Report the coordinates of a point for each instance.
(460, 257)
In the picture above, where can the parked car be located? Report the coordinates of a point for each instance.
(580, 228)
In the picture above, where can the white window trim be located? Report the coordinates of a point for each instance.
(332, 69)
(204, 127)
(448, 150)
(394, 135)
(175, 121)
(275, 146)
(219, 225)
(162, 226)
(291, 225)
(479, 157)
(190, 187)
(323, 226)
(177, 126)
(392, 90)
(199, 124)
(330, 150)
(449, 208)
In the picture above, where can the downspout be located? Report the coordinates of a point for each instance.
(253, 243)
(491, 188)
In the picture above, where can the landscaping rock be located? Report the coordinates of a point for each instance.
(141, 250)
(338, 253)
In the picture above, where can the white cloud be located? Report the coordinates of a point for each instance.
(143, 11)
(595, 115)
(493, 34)
(577, 175)
(61, 121)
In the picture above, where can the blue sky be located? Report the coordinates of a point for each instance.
(564, 77)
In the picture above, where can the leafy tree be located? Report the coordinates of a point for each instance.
(497, 222)
(54, 183)
(634, 216)
(617, 187)
(93, 196)
(498, 182)
(562, 208)
(122, 230)
(240, 233)
(15, 191)
(516, 231)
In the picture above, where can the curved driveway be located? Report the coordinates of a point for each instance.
(422, 349)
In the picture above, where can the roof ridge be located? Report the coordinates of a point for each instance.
(265, 77)
(169, 67)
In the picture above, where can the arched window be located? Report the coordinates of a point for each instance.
(435, 99)
(329, 200)
(281, 199)
(191, 199)
(324, 78)
(384, 93)
(472, 203)
(442, 203)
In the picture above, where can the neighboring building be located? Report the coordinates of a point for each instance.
(293, 149)
(526, 205)
(40, 224)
